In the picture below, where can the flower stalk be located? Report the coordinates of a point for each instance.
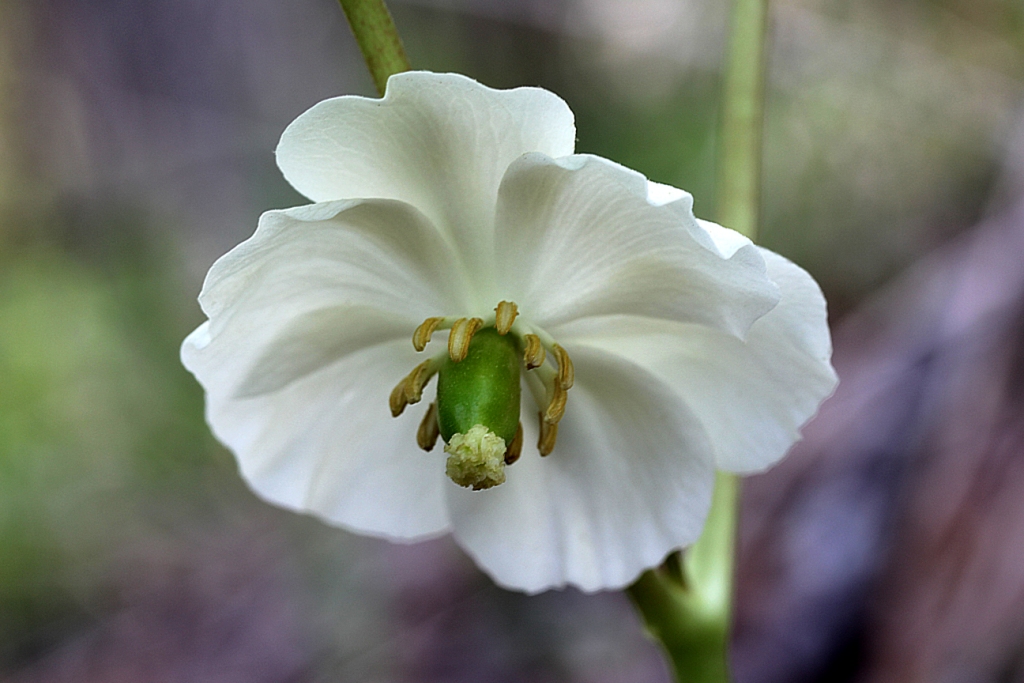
(378, 39)
(687, 603)
(738, 181)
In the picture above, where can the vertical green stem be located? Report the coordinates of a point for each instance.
(709, 563)
(687, 603)
(738, 182)
(378, 39)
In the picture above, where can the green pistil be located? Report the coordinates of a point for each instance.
(481, 389)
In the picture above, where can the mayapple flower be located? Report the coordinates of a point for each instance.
(454, 234)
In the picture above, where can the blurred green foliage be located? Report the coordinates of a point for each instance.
(101, 436)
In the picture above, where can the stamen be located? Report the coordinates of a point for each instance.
(534, 354)
(423, 333)
(556, 407)
(462, 333)
(410, 389)
(539, 388)
(566, 371)
(476, 457)
(505, 315)
(418, 379)
(548, 435)
(397, 401)
(515, 449)
(429, 430)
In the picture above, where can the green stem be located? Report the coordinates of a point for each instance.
(739, 158)
(687, 603)
(378, 39)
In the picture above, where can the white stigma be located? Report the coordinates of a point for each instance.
(476, 459)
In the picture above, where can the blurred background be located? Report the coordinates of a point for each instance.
(136, 145)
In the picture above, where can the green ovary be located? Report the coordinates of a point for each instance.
(478, 409)
(482, 389)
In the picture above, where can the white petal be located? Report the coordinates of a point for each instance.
(629, 480)
(580, 236)
(751, 396)
(440, 142)
(378, 253)
(326, 443)
(310, 328)
(727, 241)
(317, 282)
(660, 194)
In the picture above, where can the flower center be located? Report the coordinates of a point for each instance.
(478, 392)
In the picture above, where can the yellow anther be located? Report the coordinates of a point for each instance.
(397, 401)
(515, 449)
(505, 314)
(548, 435)
(556, 407)
(410, 389)
(426, 435)
(416, 380)
(534, 354)
(566, 371)
(423, 333)
(477, 458)
(462, 333)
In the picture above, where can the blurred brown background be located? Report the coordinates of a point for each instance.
(136, 145)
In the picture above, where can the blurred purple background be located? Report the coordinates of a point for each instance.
(136, 146)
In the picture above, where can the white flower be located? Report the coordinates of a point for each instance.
(693, 349)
